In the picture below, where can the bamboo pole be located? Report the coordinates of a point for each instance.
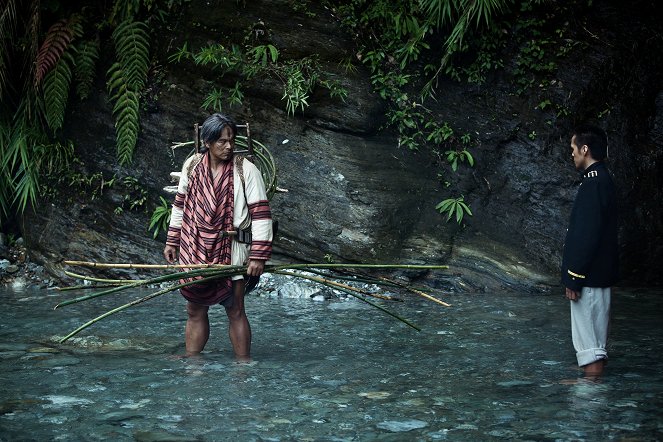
(145, 266)
(284, 266)
(103, 280)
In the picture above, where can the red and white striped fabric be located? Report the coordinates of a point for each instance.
(204, 207)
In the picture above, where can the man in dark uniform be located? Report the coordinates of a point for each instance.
(591, 255)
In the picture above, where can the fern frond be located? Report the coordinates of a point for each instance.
(56, 91)
(86, 57)
(133, 51)
(126, 107)
(56, 42)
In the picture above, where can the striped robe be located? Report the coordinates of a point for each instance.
(203, 207)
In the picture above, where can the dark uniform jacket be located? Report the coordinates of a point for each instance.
(591, 252)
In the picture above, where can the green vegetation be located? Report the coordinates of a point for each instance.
(454, 206)
(48, 50)
(160, 219)
(409, 45)
(255, 60)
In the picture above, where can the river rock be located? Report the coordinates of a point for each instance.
(401, 426)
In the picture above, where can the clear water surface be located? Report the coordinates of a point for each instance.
(491, 367)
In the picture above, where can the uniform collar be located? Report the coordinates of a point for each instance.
(592, 167)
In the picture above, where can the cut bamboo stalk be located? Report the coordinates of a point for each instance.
(147, 266)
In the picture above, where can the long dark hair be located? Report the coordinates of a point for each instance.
(211, 129)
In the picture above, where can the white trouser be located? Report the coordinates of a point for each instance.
(590, 317)
(239, 256)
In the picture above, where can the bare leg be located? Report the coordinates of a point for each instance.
(196, 333)
(238, 324)
(594, 369)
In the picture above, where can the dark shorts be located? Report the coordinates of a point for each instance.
(250, 283)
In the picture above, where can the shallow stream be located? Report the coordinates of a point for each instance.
(491, 367)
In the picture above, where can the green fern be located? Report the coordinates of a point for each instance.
(133, 51)
(125, 109)
(126, 79)
(56, 91)
(55, 44)
(84, 71)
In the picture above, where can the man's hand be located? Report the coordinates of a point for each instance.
(572, 295)
(256, 267)
(170, 253)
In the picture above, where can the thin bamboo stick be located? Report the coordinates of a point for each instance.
(94, 279)
(288, 266)
(85, 287)
(145, 266)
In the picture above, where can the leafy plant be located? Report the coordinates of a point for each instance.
(454, 156)
(136, 195)
(250, 62)
(264, 54)
(236, 95)
(213, 101)
(160, 219)
(37, 71)
(454, 206)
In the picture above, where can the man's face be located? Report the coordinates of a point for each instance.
(579, 154)
(222, 149)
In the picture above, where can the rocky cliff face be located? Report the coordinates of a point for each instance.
(353, 193)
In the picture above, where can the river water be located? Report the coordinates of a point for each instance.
(491, 367)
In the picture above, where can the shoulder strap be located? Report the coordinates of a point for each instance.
(239, 164)
(197, 158)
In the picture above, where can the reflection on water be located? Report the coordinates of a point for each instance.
(489, 368)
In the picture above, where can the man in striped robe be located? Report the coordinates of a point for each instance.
(218, 194)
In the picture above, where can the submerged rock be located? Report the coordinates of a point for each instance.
(401, 426)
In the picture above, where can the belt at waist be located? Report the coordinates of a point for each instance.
(243, 236)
